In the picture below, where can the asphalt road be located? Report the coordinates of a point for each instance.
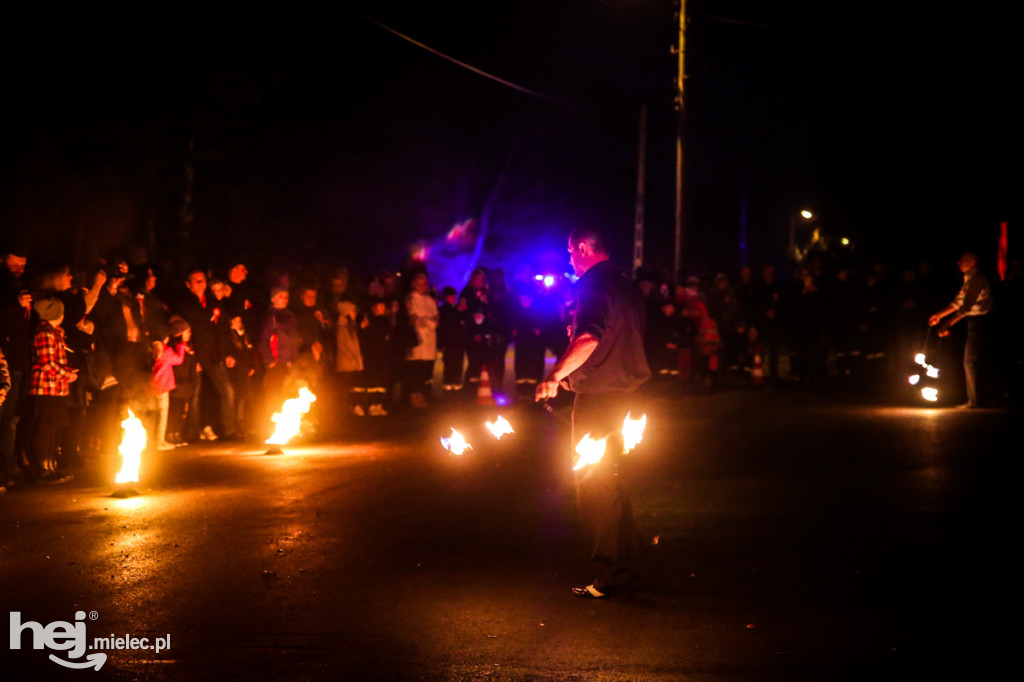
(800, 535)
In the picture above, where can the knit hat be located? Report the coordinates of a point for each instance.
(178, 325)
(49, 309)
(277, 290)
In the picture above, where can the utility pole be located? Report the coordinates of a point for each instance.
(638, 225)
(680, 52)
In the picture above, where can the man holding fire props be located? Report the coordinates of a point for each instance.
(973, 302)
(604, 364)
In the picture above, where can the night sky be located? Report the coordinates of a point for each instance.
(325, 136)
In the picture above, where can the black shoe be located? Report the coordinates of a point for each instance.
(588, 592)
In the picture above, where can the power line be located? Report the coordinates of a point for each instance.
(742, 22)
(470, 67)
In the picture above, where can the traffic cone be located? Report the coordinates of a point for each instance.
(483, 390)
(757, 371)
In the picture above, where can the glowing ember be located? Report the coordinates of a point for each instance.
(590, 451)
(930, 394)
(289, 419)
(499, 427)
(132, 445)
(913, 379)
(456, 444)
(919, 358)
(932, 372)
(633, 432)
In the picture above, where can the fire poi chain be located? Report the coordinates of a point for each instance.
(931, 373)
(589, 450)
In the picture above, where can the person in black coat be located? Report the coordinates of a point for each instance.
(604, 364)
(451, 340)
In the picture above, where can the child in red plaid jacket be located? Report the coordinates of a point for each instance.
(52, 375)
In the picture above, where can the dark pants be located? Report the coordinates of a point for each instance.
(177, 406)
(529, 359)
(49, 418)
(453, 358)
(606, 514)
(480, 356)
(418, 374)
(10, 415)
(974, 360)
(217, 376)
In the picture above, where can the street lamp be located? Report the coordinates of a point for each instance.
(807, 216)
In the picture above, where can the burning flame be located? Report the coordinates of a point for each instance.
(930, 394)
(633, 432)
(132, 445)
(289, 418)
(590, 451)
(456, 444)
(499, 427)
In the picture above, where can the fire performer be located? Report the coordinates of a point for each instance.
(604, 364)
(973, 302)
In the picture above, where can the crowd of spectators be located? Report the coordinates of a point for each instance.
(210, 354)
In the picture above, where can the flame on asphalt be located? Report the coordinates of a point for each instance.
(289, 419)
(499, 427)
(456, 444)
(132, 444)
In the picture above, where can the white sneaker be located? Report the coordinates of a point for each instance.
(378, 411)
(208, 433)
(359, 411)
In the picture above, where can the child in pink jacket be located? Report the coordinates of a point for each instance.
(166, 356)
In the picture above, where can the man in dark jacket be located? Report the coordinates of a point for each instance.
(210, 327)
(604, 364)
(16, 343)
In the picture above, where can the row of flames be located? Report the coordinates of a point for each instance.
(589, 451)
(289, 420)
(456, 443)
(288, 425)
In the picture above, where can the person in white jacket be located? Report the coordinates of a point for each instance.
(423, 318)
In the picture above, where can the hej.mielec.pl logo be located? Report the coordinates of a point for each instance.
(71, 637)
